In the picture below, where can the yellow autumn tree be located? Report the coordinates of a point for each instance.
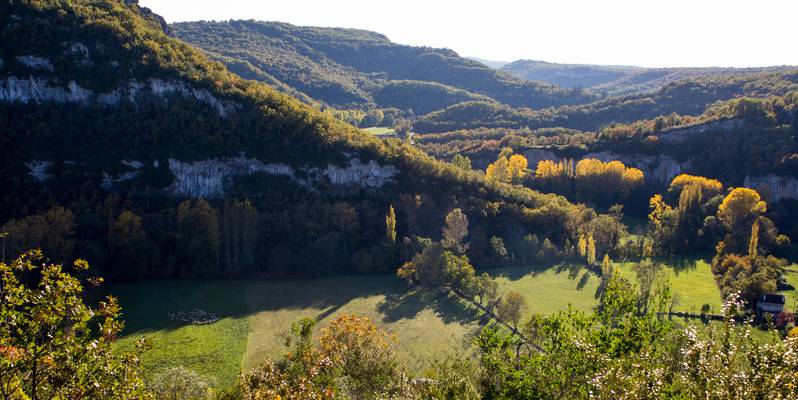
(738, 212)
(740, 207)
(498, 171)
(517, 167)
(591, 250)
(508, 167)
(709, 187)
(581, 246)
(390, 226)
(753, 243)
(605, 182)
(548, 169)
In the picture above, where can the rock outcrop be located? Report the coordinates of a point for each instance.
(36, 63)
(207, 178)
(38, 90)
(37, 169)
(534, 156)
(773, 187)
(79, 53)
(679, 135)
(371, 174)
(660, 168)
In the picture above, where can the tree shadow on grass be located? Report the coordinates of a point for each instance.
(408, 305)
(515, 273)
(329, 311)
(146, 306)
(687, 263)
(584, 280)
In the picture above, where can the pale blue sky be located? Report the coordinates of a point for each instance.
(629, 32)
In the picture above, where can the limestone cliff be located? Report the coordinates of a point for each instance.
(209, 178)
(772, 187)
(39, 90)
(679, 135)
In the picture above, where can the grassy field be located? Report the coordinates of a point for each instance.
(257, 315)
(378, 131)
(691, 281)
(214, 350)
(426, 325)
(551, 289)
(791, 274)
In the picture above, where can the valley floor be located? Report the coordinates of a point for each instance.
(256, 316)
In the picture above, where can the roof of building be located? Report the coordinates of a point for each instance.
(772, 298)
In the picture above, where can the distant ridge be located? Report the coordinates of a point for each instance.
(490, 63)
(347, 68)
(616, 80)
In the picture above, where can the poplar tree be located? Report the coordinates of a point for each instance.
(390, 225)
(591, 250)
(753, 243)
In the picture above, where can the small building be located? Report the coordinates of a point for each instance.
(770, 303)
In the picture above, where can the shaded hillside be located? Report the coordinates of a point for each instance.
(686, 97)
(103, 114)
(348, 67)
(617, 80)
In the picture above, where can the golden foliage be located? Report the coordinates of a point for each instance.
(709, 187)
(740, 206)
(508, 167)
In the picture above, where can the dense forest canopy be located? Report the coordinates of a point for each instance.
(687, 97)
(145, 109)
(347, 68)
(128, 149)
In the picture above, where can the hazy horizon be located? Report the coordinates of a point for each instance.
(677, 33)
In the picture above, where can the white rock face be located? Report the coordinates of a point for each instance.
(660, 168)
(679, 135)
(36, 62)
(133, 164)
(38, 169)
(371, 175)
(206, 178)
(109, 180)
(79, 53)
(534, 156)
(160, 88)
(38, 90)
(773, 187)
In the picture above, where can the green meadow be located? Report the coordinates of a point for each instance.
(256, 316)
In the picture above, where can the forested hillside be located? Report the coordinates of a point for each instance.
(617, 80)
(347, 68)
(131, 149)
(531, 241)
(685, 97)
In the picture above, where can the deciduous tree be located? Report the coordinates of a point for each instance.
(454, 231)
(512, 307)
(55, 346)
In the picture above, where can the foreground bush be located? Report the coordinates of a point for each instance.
(55, 346)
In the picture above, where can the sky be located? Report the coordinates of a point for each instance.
(649, 33)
